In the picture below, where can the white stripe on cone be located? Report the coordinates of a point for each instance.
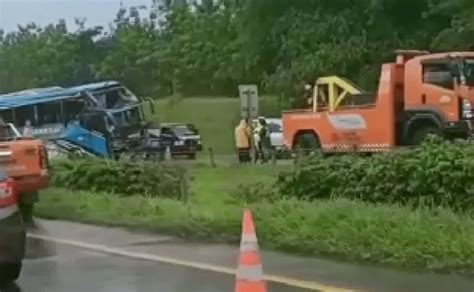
(250, 273)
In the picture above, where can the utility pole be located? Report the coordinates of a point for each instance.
(249, 109)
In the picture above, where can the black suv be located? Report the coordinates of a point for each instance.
(184, 139)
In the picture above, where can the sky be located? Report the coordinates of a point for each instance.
(43, 12)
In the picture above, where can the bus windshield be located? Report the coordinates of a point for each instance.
(127, 117)
(115, 98)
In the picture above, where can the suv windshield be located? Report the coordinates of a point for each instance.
(274, 127)
(182, 130)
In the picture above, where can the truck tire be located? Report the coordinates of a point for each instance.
(26, 211)
(420, 134)
(306, 143)
(10, 272)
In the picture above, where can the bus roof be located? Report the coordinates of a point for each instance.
(8, 101)
(94, 86)
(48, 94)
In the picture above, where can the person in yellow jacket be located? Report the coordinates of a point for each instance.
(243, 140)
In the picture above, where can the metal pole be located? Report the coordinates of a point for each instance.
(211, 157)
(273, 153)
(250, 118)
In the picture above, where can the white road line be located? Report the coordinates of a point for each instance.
(195, 265)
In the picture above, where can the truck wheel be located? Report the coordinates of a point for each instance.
(10, 272)
(421, 134)
(306, 144)
(192, 156)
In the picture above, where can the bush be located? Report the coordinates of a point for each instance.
(123, 178)
(438, 173)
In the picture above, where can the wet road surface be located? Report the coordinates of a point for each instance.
(52, 268)
(67, 256)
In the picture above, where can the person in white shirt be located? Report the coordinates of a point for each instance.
(28, 129)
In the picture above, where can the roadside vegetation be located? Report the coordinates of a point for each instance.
(436, 174)
(347, 207)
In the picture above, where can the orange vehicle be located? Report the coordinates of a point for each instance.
(25, 161)
(12, 233)
(418, 94)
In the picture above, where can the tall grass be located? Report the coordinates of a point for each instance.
(428, 239)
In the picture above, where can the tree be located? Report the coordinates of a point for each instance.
(208, 47)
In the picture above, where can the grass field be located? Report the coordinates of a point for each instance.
(219, 185)
(215, 117)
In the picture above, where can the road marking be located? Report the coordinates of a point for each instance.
(188, 264)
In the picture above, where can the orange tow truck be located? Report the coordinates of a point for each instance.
(25, 161)
(418, 94)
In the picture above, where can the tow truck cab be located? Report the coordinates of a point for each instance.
(439, 95)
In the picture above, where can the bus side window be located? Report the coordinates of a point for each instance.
(7, 116)
(49, 113)
(25, 113)
(71, 110)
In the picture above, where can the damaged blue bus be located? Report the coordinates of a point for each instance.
(104, 119)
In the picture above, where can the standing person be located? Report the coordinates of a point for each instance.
(242, 141)
(27, 129)
(260, 138)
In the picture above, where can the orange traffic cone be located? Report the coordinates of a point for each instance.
(249, 276)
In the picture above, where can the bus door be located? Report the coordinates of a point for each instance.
(92, 133)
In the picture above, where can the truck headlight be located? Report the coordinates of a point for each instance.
(466, 109)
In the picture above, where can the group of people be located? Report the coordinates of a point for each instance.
(245, 138)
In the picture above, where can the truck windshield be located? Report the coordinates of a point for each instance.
(469, 71)
(7, 133)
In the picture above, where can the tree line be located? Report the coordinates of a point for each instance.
(176, 48)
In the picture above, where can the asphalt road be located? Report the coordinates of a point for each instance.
(65, 256)
(57, 268)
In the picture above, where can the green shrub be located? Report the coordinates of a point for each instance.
(438, 173)
(120, 177)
